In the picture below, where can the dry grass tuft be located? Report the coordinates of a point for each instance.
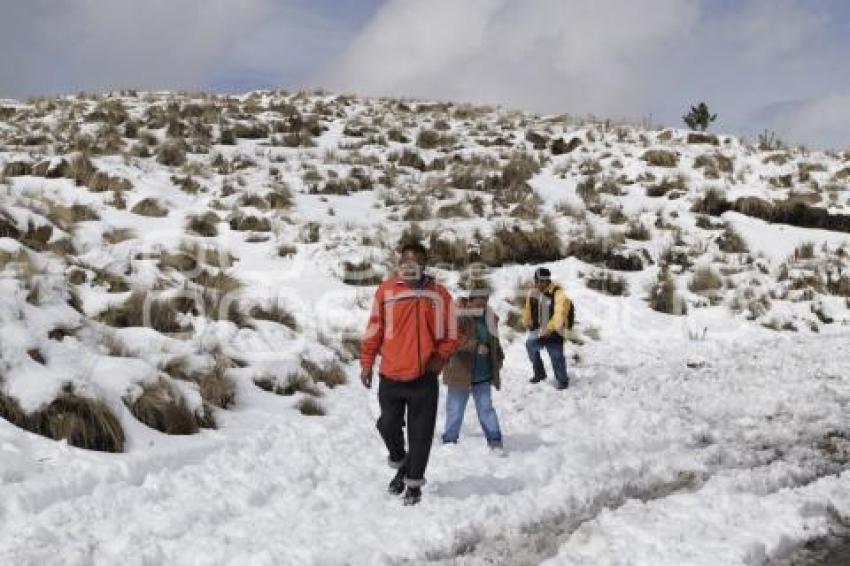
(81, 421)
(661, 158)
(205, 224)
(608, 283)
(664, 297)
(275, 312)
(249, 223)
(161, 313)
(297, 382)
(162, 408)
(331, 373)
(11, 410)
(149, 207)
(705, 279)
(311, 407)
(732, 242)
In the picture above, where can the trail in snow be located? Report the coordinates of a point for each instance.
(643, 453)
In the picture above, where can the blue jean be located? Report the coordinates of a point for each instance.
(554, 344)
(456, 406)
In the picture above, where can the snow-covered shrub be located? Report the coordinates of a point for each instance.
(81, 421)
(139, 308)
(205, 224)
(731, 241)
(357, 180)
(149, 207)
(419, 209)
(117, 235)
(286, 250)
(570, 209)
(453, 210)
(588, 191)
(705, 279)
(206, 254)
(608, 283)
(638, 231)
(605, 251)
(311, 407)
(162, 408)
(16, 168)
(171, 153)
(280, 196)
(669, 184)
(11, 410)
(430, 139)
(664, 297)
(362, 273)
(251, 131)
(661, 158)
(244, 222)
(520, 168)
(330, 373)
(311, 232)
(277, 312)
(409, 158)
(66, 216)
(296, 382)
(514, 245)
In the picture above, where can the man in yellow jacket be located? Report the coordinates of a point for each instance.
(546, 317)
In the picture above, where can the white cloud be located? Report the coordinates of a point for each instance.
(546, 54)
(614, 58)
(753, 61)
(818, 122)
(68, 45)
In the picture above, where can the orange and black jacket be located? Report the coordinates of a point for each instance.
(408, 325)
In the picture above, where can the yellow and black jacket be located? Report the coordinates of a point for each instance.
(549, 308)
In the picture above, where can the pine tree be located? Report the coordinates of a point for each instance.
(699, 117)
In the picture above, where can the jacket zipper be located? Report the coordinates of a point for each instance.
(418, 334)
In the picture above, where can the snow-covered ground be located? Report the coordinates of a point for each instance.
(721, 436)
(643, 461)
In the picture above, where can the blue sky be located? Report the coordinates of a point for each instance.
(761, 64)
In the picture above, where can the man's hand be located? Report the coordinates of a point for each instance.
(366, 377)
(435, 365)
(544, 332)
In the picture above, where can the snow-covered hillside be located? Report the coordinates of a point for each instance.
(185, 279)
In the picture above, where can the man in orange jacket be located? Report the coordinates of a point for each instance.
(413, 327)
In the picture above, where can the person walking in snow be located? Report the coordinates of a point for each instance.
(547, 316)
(413, 327)
(474, 368)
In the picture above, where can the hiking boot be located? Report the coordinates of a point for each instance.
(396, 486)
(413, 495)
(537, 379)
(562, 385)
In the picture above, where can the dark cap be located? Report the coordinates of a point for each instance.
(542, 274)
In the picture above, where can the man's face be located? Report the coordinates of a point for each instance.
(541, 285)
(410, 266)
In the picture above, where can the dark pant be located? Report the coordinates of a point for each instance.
(554, 344)
(419, 398)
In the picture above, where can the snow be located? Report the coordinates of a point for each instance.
(701, 439)
(779, 242)
(274, 488)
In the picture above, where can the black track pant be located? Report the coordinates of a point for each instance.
(419, 398)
